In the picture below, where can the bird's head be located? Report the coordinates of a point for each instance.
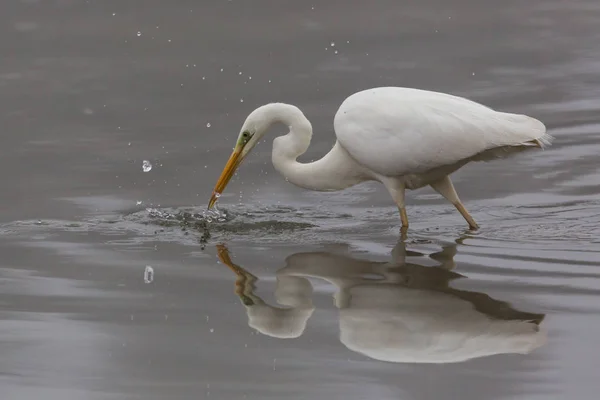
(253, 129)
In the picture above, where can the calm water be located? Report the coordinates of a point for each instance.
(299, 295)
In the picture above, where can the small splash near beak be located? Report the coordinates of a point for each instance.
(213, 200)
(214, 214)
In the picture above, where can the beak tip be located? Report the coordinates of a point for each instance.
(234, 161)
(211, 202)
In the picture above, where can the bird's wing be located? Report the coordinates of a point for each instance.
(396, 131)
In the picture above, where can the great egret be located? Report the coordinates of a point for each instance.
(402, 137)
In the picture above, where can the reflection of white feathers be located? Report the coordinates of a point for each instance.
(392, 323)
(284, 323)
(400, 312)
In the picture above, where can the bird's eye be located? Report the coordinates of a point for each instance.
(246, 137)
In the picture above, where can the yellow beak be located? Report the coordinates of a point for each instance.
(234, 161)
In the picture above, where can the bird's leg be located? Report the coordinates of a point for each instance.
(403, 217)
(397, 190)
(445, 187)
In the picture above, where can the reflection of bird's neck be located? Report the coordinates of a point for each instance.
(293, 292)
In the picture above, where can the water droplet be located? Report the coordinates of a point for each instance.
(208, 125)
(221, 69)
(211, 330)
(239, 73)
(139, 33)
(146, 166)
(114, 14)
(217, 195)
(241, 100)
(138, 202)
(148, 274)
(332, 44)
(335, 52)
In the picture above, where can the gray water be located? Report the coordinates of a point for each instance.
(317, 288)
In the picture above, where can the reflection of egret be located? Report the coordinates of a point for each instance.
(397, 312)
(294, 292)
(404, 138)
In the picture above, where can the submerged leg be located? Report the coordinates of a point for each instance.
(445, 188)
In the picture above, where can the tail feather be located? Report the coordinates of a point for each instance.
(544, 141)
(505, 151)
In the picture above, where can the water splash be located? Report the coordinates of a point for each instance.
(148, 274)
(146, 166)
(214, 214)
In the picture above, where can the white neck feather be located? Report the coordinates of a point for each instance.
(335, 171)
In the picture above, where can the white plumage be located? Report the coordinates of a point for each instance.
(401, 131)
(404, 138)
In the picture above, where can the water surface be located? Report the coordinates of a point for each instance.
(299, 294)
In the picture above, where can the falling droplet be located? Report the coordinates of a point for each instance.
(241, 100)
(335, 52)
(148, 274)
(211, 330)
(146, 166)
(139, 33)
(208, 125)
(114, 14)
(138, 202)
(332, 44)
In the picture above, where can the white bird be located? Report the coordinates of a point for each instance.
(404, 138)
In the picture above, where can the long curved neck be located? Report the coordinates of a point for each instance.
(335, 171)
